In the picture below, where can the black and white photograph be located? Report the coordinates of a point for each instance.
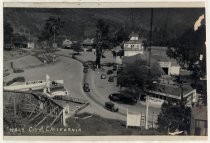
(104, 71)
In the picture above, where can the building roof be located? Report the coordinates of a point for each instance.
(169, 89)
(133, 34)
(88, 41)
(158, 54)
(117, 49)
(67, 42)
(131, 59)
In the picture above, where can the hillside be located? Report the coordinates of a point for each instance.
(80, 23)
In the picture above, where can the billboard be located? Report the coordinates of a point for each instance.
(133, 120)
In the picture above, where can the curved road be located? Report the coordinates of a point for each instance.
(98, 100)
(95, 100)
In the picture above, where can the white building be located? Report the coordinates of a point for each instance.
(169, 68)
(134, 46)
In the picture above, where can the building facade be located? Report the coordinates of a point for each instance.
(134, 46)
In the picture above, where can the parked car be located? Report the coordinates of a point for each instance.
(111, 79)
(109, 72)
(122, 98)
(89, 50)
(114, 67)
(109, 64)
(103, 76)
(110, 106)
(86, 87)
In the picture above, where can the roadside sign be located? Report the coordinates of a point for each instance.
(133, 120)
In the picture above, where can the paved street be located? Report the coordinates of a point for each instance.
(101, 88)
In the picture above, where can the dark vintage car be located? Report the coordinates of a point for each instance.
(114, 67)
(122, 98)
(111, 107)
(86, 87)
(109, 72)
(111, 79)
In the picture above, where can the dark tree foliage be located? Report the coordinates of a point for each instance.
(136, 75)
(102, 40)
(52, 25)
(8, 32)
(174, 117)
(121, 36)
(187, 48)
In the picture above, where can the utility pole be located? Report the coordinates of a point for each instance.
(54, 33)
(29, 37)
(147, 110)
(150, 38)
(132, 19)
(14, 104)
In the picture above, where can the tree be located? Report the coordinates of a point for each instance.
(136, 77)
(52, 27)
(121, 36)
(174, 117)
(187, 48)
(102, 40)
(8, 32)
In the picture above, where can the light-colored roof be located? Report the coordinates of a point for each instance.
(171, 89)
(88, 41)
(133, 34)
(67, 42)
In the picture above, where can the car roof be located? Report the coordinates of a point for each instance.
(110, 103)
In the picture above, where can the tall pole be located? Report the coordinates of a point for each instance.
(54, 33)
(29, 36)
(150, 37)
(147, 110)
(132, 19)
